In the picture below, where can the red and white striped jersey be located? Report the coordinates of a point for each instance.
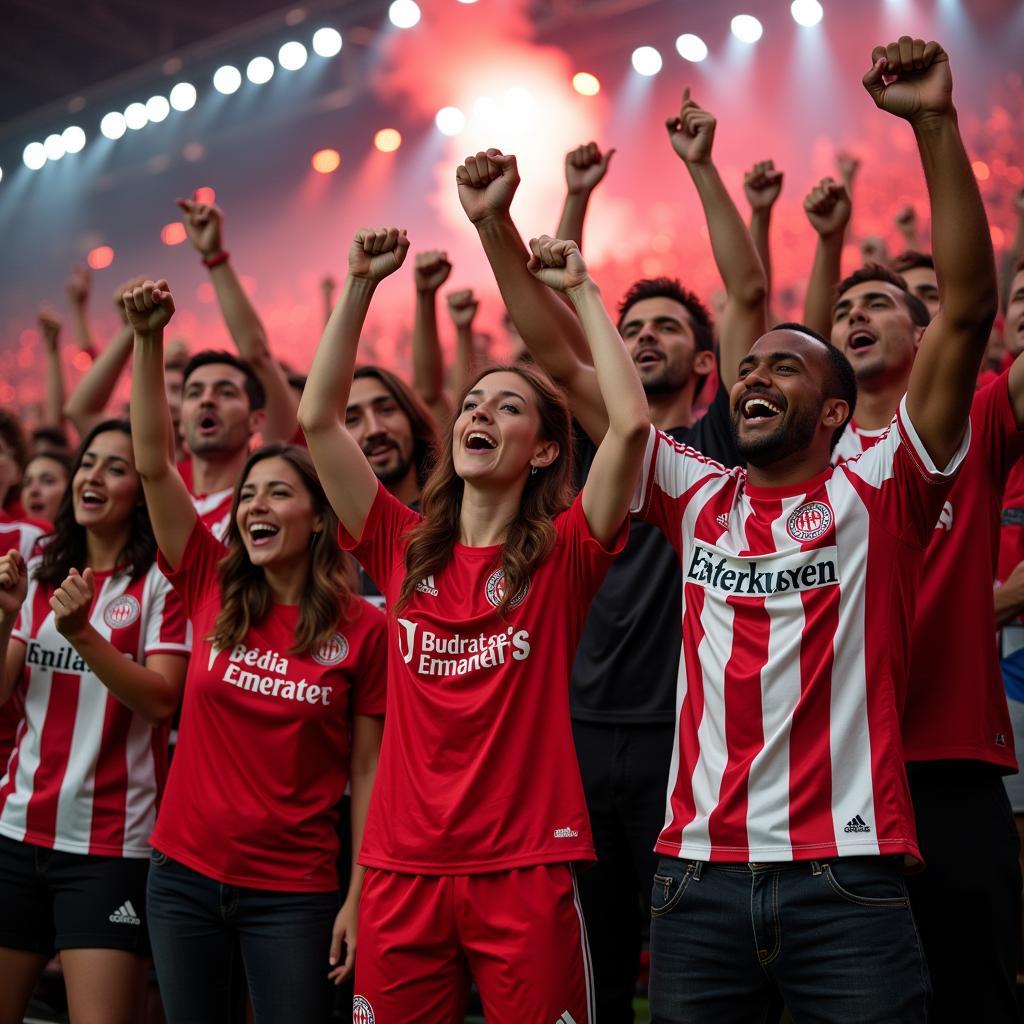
(86, 772)
(854, 441)
(214, 509)
(797, 605)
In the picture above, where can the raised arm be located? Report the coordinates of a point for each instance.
(431, 270)
(941, 388)
(348, 480)
(616, 468)
(53, 407)
(462, 307)
(78, 287)
(906, 225)
(204, 224)
(149, 308)
(762, 185)
(550, 329)
(585, 168)
(328, 287)
(827, 206)
(744, 319)
(13, 588)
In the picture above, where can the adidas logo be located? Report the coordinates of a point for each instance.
(856, 824)
(566, 1018)
(426, 586)
(723, 520)
(125, 914)
(566, 833)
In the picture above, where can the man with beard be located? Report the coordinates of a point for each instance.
(789, 816)
(624, 676)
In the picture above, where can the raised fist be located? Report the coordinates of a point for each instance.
(78, 285)
(762, 184)
(462, 307)
(71, 603)
(328, 284)
(910, 79)
(431, 270)
(692, 131)
(204, 224)
(585, 166)
(487, 182)
(873, 250)
(126, 286)
(374, 255)
(827, 206)
(848, 165)
(50, 325)
(13, 582)
(149, 306)
(557, 262)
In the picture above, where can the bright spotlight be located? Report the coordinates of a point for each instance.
(326, 161)
(450, 121)
(691, 47)
(100, 257)
(1, 174)
(646, 61)
(34, 156)
(746, 28)
(806, 12)
(259, 70)
(326, 42)
(292, 56)
(404, 13)
(183, 96)
(157, 109)
(53, 147)
(135, 116)
(74, 139)
(387, 140)
(585, 83)
(113, 125)
(227, 79)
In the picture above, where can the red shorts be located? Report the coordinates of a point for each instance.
(519, 935)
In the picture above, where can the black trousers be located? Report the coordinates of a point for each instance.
(967, 900)
(625, 773)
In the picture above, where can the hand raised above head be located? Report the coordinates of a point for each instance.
(557, 263)
(431, 269)
(828, 208)
(149, 306)
(487, 183)
(692, 131)
(586, 166)
(762, 185)
(375, 254)
(919, 85)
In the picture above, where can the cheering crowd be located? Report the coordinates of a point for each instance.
(671, 625)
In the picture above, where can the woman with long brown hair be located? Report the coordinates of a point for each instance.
(288, 663)
(478, 817)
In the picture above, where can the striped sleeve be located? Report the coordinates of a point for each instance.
(167, 629)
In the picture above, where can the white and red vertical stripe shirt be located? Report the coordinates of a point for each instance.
(797, 605)
(855, 441)
(213, 509)
(86, 772)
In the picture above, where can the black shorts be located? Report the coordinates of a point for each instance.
(53, 900)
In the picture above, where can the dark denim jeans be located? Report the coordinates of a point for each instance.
(196, 923)
(834, 940)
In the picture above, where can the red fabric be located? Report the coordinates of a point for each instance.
(478, 768)
(263, 746)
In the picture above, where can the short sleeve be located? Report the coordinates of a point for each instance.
(370, 689)
(588, 559)
(383, 541)
(996, 430)
(168, 630)
(196, 576)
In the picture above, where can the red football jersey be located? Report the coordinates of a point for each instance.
(87, 772)
(214, 510)
(797, 606)
(263, 746)
(855, 441)
(478, 768)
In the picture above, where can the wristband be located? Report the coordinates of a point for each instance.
(216, 260)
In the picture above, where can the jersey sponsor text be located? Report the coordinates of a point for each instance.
(742, 577)
(425, 650)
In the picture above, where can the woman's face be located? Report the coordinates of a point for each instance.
(43, 486)
(276, 517)
(496, 435)
(106, 489)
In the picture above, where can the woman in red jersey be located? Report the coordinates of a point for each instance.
(288, 663)
(478, 814)
(97, 625)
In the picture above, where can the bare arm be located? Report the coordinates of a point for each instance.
(744, 318)
(348, 480)
(79, 287)
(941, 386)
(585, 167)
(53, 407)
(762, 185)
(149, 308)
(328, 286)
(431, 271)
(906, 225)
(13, 588)
(828, 209)
(204, 224)
(462, 307)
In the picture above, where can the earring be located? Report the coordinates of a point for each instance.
(533, 471)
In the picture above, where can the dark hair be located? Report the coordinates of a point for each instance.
(64, 458)
(14, 437)
(56, 436)
(253, 387)
(245, 597)
(421, 422)
(66, 546)
(876, 272)
(1019, 267)
(531, 535)
(840, 380)
(296, 380)
(671, 288)
(911, 259)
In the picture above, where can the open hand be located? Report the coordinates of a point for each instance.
(343, 939)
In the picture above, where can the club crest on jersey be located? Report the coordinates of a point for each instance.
(362, 1011)
(809, 522)
(332, 652)
(121, 612)
(494, 589)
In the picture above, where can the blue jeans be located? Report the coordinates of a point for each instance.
(834, 940)
(195, 924)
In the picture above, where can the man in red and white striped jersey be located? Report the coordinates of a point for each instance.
(788, 818)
